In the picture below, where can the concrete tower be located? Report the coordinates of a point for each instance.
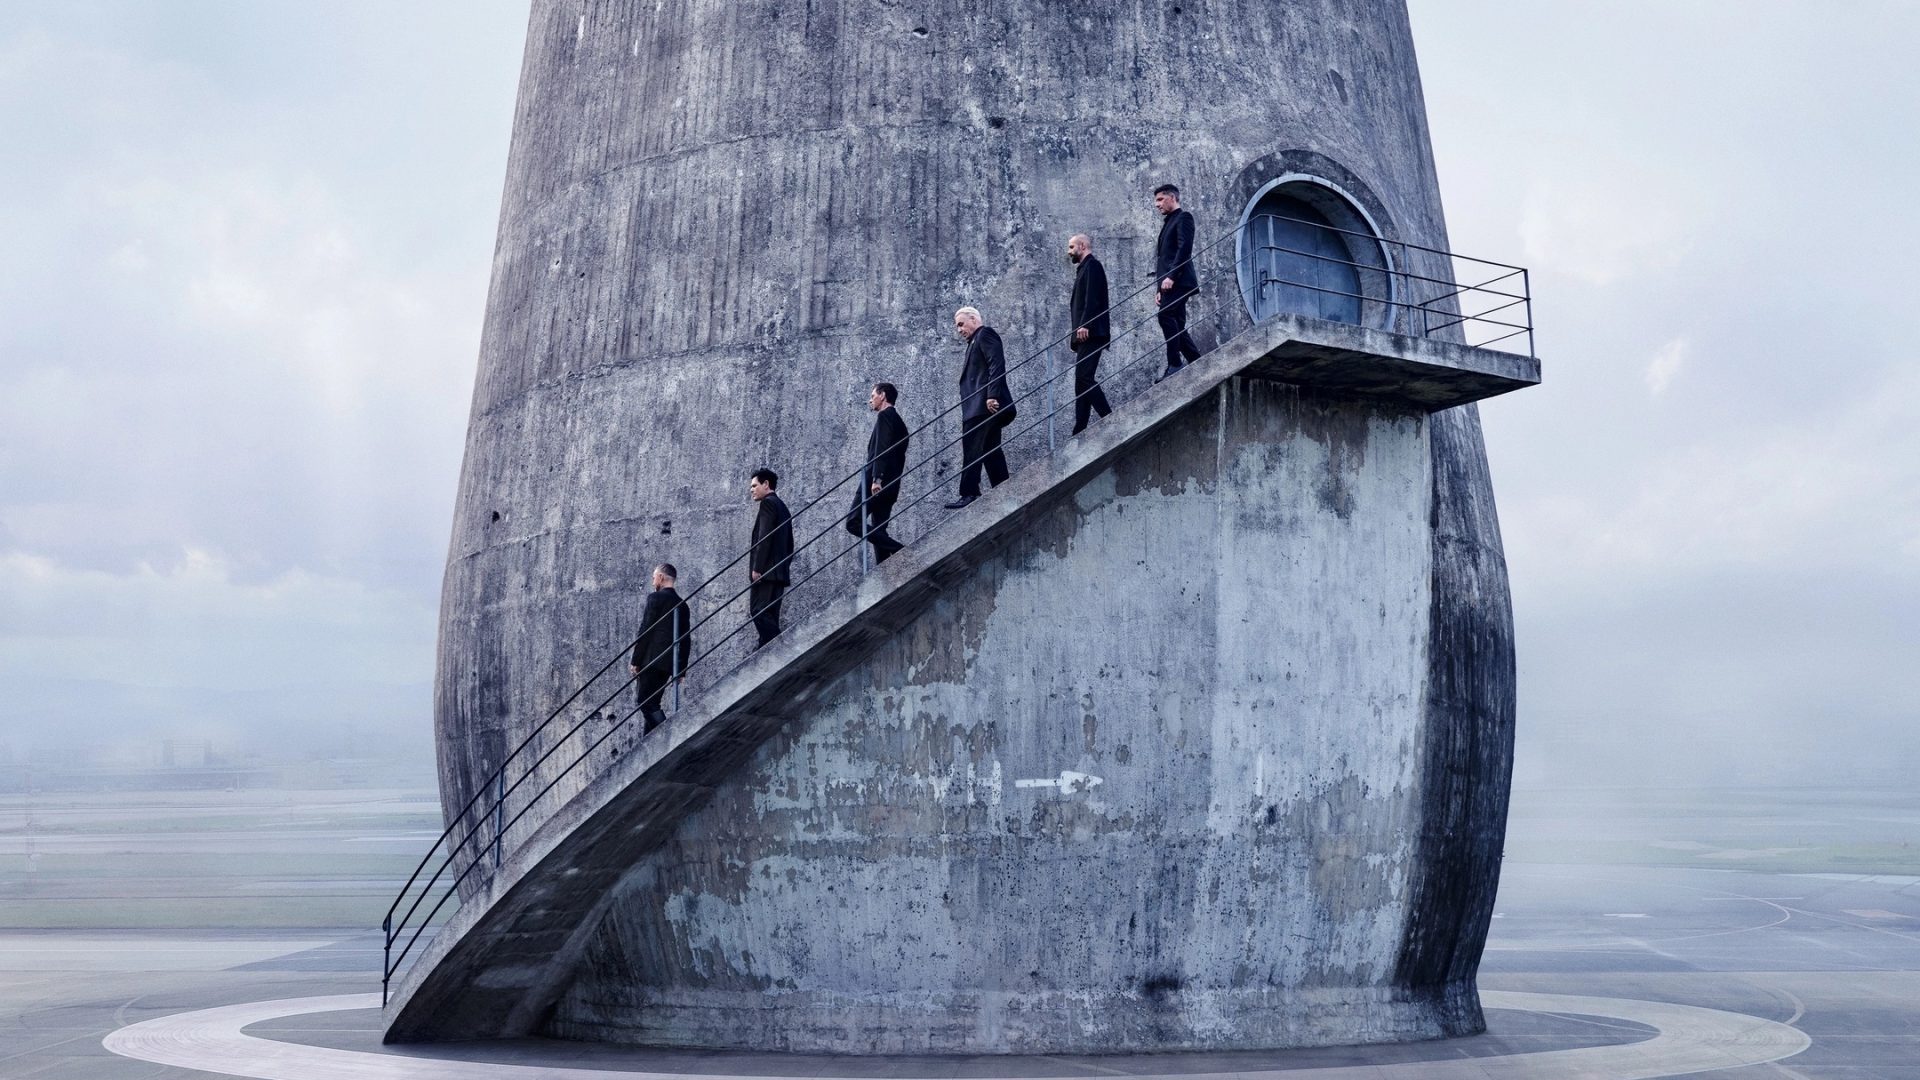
(1202, 741)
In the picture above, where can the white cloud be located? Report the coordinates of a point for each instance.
(249, 266)
(195, 624)
(1602, 219)
(272, 264)
(248, 379)
(242, 313)
(1665, 365)
(1712, 505)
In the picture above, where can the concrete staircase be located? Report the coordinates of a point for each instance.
(499, 964)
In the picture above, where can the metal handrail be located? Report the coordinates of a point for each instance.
(497, 778)
(1374, 239)
(716, 576)
(1460, 289)
(1426, 328)
(626, 718)
(1407, 274)
(1481, 316)
(543, 726)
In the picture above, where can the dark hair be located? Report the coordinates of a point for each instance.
(768, 477)
(667, 569)
(888, 391)
(1167, 189)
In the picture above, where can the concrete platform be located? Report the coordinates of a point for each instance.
(1593, 971)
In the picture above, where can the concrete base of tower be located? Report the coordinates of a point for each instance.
(1151, 1019)
(1148, 777)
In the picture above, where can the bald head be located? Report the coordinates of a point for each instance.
(1079, 247)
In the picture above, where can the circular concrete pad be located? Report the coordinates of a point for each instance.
(1689, 1039)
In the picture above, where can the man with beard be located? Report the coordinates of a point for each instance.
(1092, 330)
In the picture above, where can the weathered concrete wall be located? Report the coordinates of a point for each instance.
(498, 966)
(1145, 780)
(723, 218)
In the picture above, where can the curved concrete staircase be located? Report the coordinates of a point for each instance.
(516, 942)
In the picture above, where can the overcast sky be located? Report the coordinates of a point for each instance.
(248, 252)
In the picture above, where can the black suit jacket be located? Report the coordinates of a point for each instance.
(886, 453)
(983, 375)
(1089, 305)
(665, 615)
(1173, 253)
(772, 553)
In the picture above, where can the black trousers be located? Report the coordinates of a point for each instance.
(1088, 398)
(1173, 326)
(650, 685)
(980, 444)
(879, 512)
(765, 598)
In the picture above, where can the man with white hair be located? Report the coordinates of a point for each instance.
(986, 405)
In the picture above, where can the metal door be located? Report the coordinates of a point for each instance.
(1293, 260)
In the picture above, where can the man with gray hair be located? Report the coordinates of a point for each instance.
(986, 405)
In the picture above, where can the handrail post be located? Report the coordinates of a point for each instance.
(1526, 290)
(1050, 409)
(499, 810)
(1397, 283)
(676, 659)
(386, 956)
(860, 507)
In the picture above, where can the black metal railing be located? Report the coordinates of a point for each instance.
(475, 837)
(1414, 303)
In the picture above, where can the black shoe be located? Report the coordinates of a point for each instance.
(1171, 368)
(962, 502)
(1076, 431)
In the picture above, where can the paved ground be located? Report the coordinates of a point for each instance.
(1835, 956)
(1676, 969)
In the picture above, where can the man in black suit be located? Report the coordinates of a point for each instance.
(770, 558)
(666, 644)
(1173, 262)
(1091, 330)
(986, 405)
(880, 479)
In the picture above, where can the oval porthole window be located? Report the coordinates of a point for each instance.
(1305, 249)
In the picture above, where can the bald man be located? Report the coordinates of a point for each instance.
(986, 405)
(1087, 310)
